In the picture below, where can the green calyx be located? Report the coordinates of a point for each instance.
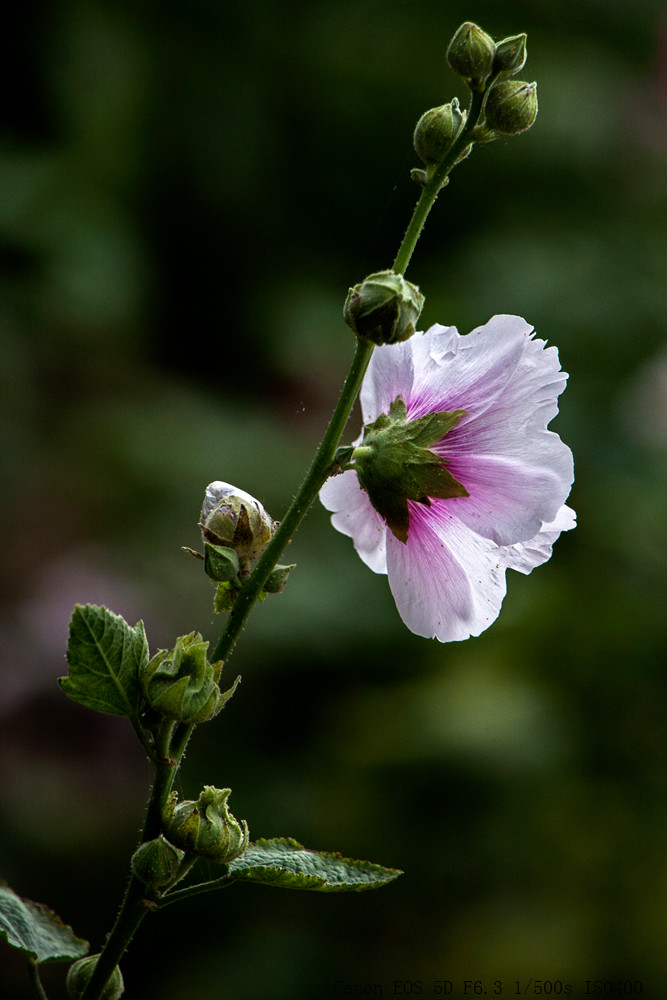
(384, 308)
(394, 464)
(183, 684)
(205, 828)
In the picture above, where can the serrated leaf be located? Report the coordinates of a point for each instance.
(286, 864)
(36, 930)
(106, 657)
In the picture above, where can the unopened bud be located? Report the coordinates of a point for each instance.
(79, 976)
(470, 54)
(436, 130)
(511, 107)
(384, 308)
(510, 56)
(182, 684)
(205, 827)
(156, 863)
(231, 517)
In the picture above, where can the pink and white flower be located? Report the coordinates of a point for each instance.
(448, 577)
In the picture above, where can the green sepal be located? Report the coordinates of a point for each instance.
(106, 657)
(225, 595)
(220, 562)
(35, 930)
(278, 578)
(285, 864)
(394, 464)
(182, 683)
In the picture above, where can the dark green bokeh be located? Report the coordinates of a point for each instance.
(186, 193)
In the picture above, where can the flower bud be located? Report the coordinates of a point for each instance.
(182, 684)
(231, 517)
(511, 106)
(510, 56)
(79, 976)
(470, 54)
(384, 308)
(205, 827)
(436, 130)
(156, 863)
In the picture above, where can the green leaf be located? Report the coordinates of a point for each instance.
(286, 864)
(36, 930)
(106, 657)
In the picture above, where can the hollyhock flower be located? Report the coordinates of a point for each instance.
(456, 478)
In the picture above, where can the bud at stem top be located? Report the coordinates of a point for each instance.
(510, 56)
(470, 54)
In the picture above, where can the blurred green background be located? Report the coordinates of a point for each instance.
(186, 192)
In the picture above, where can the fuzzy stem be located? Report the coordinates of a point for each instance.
(317, 474)
(433, 186)
(170, 744)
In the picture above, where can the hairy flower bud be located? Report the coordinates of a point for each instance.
(79, 976)
(384, 308)
(470, 54)
(182, 684)
(510, 56)
(156, 862)
(436, 130)
(232, 518)
(205, 827)
(511, 106)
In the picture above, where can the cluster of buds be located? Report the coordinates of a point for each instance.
(205, 828)
(510, 106)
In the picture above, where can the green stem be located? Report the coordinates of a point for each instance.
(40, 992)
(317, 474)
(433, 186)
(170, 746)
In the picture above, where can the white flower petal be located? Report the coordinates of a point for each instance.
(525, 556)
(448, 582)
(389, 375)
(354, 515)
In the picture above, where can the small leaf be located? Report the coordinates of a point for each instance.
(106, 657)
(286, 864)
(36, 930)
